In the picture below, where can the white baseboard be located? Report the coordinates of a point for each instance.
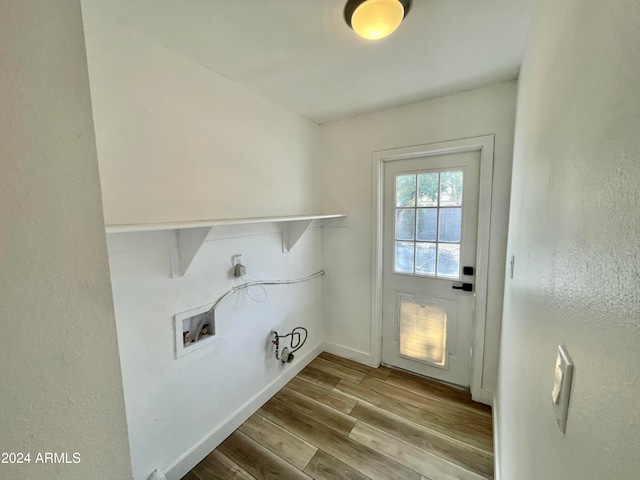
(483, 396)
(496, 439)
(350, 353)
(195, 454)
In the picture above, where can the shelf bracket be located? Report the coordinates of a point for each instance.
(292, 231)
(189, 242)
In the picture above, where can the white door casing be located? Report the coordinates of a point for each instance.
(484, 147)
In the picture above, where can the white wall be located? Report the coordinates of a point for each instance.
(345, 170)
(60, 382)
(177, 141)
(175, 405)
(574, 231)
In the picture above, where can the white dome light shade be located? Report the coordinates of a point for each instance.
(375, 19)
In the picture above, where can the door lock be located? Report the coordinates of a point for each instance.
(467, 287)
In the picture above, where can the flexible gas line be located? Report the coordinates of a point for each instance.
(296, 342)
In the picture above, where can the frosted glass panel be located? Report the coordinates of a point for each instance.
(423, 332)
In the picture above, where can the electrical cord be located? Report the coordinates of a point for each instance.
(247, 290)
(246, 285)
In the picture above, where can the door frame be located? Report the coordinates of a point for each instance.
(485, 146)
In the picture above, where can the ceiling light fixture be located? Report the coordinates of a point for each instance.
(375, 19)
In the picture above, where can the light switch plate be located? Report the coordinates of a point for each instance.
(562, 387)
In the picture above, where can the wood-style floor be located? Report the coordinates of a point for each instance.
(341, 420)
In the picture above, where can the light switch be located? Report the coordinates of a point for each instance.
(562, 387)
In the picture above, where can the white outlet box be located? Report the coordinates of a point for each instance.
(185, 326)
(562, 387)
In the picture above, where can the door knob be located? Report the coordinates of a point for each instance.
(467, 287)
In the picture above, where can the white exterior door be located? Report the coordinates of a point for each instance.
(430, 225)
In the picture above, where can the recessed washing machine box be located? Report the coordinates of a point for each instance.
(186, 324)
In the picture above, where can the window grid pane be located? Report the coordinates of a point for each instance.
(404, 257)
(426, 258)
(405, 223)
(449, 225)
(428, 189)
(448, 260)
(428, 223)
(450, 189)
(406, 191)
(427, 227)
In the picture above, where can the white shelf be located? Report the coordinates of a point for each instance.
(150, 227)
(192, 234)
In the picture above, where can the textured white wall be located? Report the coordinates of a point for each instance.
(174, 405)
(575, 230)
(344, 170)
(177, 141)
(60, 382)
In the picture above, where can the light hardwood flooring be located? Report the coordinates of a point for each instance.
(338, 419)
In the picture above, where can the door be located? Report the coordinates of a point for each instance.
(430, 226)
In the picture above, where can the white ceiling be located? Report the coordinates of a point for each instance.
(301, 54)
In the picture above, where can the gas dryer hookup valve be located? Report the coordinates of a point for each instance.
(296, 339)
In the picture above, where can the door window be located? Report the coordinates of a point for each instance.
(428, 223)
